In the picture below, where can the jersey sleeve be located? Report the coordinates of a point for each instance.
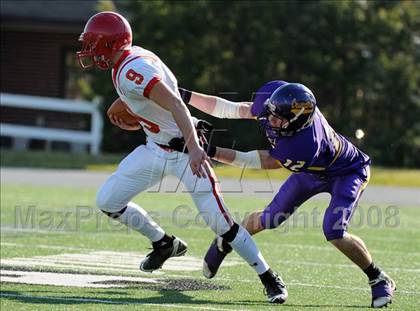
(139, 78)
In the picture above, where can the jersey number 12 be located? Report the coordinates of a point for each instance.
(293, 166)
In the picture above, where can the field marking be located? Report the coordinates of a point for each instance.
(102, 259)
(70, 259)
(99, 259)
(110, 301)
(6, 228)
(46, 246)
(68, 279)
(27, 269)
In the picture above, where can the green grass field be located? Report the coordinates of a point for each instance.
(318, 277)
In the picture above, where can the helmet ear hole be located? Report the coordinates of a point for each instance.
(110, 45)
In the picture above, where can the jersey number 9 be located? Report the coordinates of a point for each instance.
(134, 76)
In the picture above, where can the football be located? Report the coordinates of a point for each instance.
(120, 110)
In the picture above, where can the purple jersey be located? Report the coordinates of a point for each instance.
(316, 149)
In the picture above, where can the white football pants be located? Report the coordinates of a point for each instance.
(144, 168)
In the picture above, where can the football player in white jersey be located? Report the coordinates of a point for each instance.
(150, 90)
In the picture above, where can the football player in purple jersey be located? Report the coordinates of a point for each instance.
(320, 159)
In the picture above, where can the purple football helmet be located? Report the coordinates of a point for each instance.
(292, 102)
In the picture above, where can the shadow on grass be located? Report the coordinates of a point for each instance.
(174, 297)
(164, 297)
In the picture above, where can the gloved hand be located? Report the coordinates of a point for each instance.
(178, 144)
(202, 127)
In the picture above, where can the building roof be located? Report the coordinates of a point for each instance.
(46, 15)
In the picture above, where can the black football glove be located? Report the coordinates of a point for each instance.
(202, 127)
(178, 144)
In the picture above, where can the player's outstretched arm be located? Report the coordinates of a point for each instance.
(162, 95)
(217, 106)
(260, 159)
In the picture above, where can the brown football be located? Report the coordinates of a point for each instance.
(123, 112)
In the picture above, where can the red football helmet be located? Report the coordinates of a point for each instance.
(104, 35)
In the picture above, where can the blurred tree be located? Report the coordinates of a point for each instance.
(361, 59)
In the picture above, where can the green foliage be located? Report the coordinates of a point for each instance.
(361, 59)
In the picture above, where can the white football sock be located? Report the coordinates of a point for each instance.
(245, 246)
(137, 218)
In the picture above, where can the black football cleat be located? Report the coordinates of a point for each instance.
(156, 258)
(275, 288)
(214, 257)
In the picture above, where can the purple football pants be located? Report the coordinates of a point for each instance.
(345, 192)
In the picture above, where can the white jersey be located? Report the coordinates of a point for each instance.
(134, 76)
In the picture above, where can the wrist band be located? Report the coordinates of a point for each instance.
(210, 150)
(185, 95)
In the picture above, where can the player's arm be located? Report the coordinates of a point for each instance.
(259, 159)
(162, 95)
(217, 106)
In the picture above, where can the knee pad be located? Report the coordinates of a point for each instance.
(115, 215)
(231, 234)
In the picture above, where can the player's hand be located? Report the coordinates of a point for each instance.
(203, 126)
(199, 162)
(121, 124)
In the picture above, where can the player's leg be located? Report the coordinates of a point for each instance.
(297, 189)
(207, 197)
(346, 191)
(140, 170)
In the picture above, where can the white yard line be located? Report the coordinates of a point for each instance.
(110, 301)
(79, 269)
(6, 228)
(72, 248)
